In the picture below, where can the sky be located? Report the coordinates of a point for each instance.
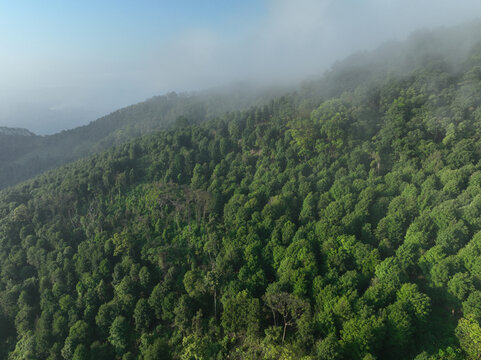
(65, 63)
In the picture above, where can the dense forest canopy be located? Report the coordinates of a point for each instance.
(333, 224)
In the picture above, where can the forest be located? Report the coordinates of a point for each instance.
(323, 224)
(24, 155)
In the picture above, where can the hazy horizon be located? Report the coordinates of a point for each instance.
(65, 65)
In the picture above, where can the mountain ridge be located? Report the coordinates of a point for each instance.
(392, 59)
(15, 131)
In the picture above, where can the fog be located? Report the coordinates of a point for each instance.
(65, 84)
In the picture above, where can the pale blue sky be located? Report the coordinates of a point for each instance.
(65, 63)
(116, 27)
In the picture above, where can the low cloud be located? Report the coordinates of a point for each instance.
(301, 38)
(293, 40)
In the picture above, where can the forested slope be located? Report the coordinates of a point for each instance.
(26, 156)
(345, 226)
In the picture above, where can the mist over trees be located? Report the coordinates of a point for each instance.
(23, 157)
(66, 64)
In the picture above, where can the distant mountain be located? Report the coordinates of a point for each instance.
(15, 131)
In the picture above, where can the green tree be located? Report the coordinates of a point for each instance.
(119, 335)
(468, 333)
(241, 314)
(289, 308)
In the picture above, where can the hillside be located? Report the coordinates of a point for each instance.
(28, 157)
(339, 227)
(14, 144)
